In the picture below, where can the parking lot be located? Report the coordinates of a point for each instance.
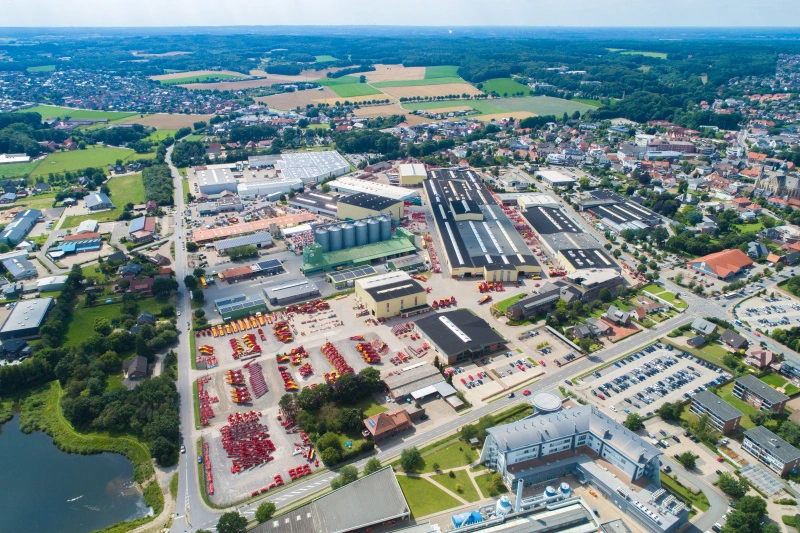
(768, 313)
(547, 349)
(647, 379)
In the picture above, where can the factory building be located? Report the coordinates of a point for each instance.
(348, 235)
(392, 294)
(412, 174)
(239, 306)
(291, 291)
(316, 202)
(351, 185)
(555, 178)
(269, 224)
(19, 228)
(260, 240)
(25, 319)
(459, 335)
(213, 179)
(356, 244)
(619, 213)
(312, 167)
(97, 201)
(343, 279)
(268, 188)
(363, 205)
(574, 259)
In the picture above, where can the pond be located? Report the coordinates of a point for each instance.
(45, 489)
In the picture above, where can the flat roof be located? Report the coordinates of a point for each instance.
(27, 314)
(315, 200)
(413, 378)
(214, 175)
(412, 169)
(457, 331)
(256, 238)
(369, 201)
(352, 274)
(293, 288)
(554, 176)
(586, 258)
(310, 166)
(770, 441)
(237, 302)
(395, 289)
(546, 220)
(354, 185)
(714, 404)
(754, 384)
(251, 227)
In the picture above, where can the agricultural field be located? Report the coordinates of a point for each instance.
(504, 86)
(200, 79)
(160, 135)
(447, 89)
(325, 58)
(505, 115)
(48, 111)
(383, 73)
(445, 71)
(355, 89)
(42, 68)
(192, 74)
(658, 55)
(167, 121)
(93, 156)
(17, 170)
(344, 80)
(417, 83)
(286, 101)
(126, 189)
(485, 107)
(542, 105)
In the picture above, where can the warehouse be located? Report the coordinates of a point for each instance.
(412, 174)
(19, 228)
(224, 204)
(270, 267)
(392, 294)
(20, 268)
(477, 237)
(98, 201)
(573, 259)
(343, 279)
(312, 167)
(207, 235)
(315, 259)
(418, 381)
(459, 335)
(260, 162)
(351, 185)
(239, 306)
(555, 178)
(290, 291)
(25, 319)
(51, 283)
(316, 202)
(236, 274)
(557, 230)
(213, 179)
(373, 501)
(76, 246)
(363, 205)
(87, 226)
(266, 188)
(529, 200)
(260, 240)
(619, 213)
(413, 262)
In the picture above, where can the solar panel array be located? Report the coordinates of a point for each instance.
(353, 273)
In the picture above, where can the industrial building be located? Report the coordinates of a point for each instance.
(573, 259)
(459, 335)
(224, 204)
(419, 381)
(313, 167)
(87, 226)
(236, 274)
(364, 204)
(98, 201)
(528, 200)
(557, 230)
(373, 501)
(619, 213)
(591, 282)
(142, 229)
(268, 267)
(771, 450)
(25, 319)
(268, 188)
(20, 268)
(316, 202)
(343, 279)
(51, 283)
(392, 294)
(213, 179)
(549, 294)
(91, 243)
(407, 262)
(344, 236)
(351, 185)
(412, 174)
(555, 178)
(260, 162)
(723, 416)
(476, 235)
(239, 306)
(18, 229)
(290, 291)
(260, 240)
(315, 260)
(752, 390)
(269, 224)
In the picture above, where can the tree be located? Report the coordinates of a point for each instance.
(730, 485)
(190, 282)
(633, 422)
(606, 295)
(192, 246)
(688, 460)
(790, 432)
(372, 466)
(347, 474)
(264, 512)
(162, 287)
(410, 459)
(232, 522)
(670, 411)
(678, 278)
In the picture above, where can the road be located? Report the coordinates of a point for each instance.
(718, 503)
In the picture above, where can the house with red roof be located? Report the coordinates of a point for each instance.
(722, 265)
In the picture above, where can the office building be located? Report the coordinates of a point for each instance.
(723, 416)
(392, 294)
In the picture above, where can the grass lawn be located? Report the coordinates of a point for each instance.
(424, 497)
(194, 137)
(160, 135)
(468, 490)
(82, 323)
(325, 58)
(749, 228)
(93, 156)
(91, 271)
(668, 296)
(101, 216)
(442, 71)
(126, 189)
(698, 500)
(483, 483)
(355, 89)
(726, 393)
(201, 78)
(42, 68)
(48, 111)
(774, 380)
(504, 87)
(451, 456)
(714, 351)
(505, 304)
(40, 201)
(185, 185)
(17, 170)
(415, 83)
(659, 55)
(587, 101)
(319, 126)
(370, 407)
(114, 383)
(653, 289)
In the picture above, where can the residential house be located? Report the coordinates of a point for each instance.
(387, 424)
(733, 340)
(756, 250)
(142, 229)
(617, 316)
(704, 327)
(696, 342)
(759, 357)
(136, 368)
(141, 286)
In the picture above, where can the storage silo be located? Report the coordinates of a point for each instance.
(373, 230)
(349, 234)
(335, 233)
(323, 239)
(361, 233)
(386, 227)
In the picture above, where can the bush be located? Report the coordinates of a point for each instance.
(264, 512)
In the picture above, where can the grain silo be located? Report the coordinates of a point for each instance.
(349, 240)
(323, 239)
(386, 227)
(335, 233)
(373, 230)
(361, 233)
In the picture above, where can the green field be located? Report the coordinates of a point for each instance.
(424, 497)
(749, 228)
(542, 105)
(468, 491)
(659, 55)
(444, 71)
(17, 170)
(126, 189)
(325, 59)
(48, 111)
(42, 68)
(160, 135)
(93, 156)
(82, 323)
(484, 107)
(355, 89)
(417, 83)
(587, 101)
(100, 216)
(319, 126)
(504, 86)
(201, 79)
(343, 80)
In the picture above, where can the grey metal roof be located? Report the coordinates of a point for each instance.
(716, 405)
(296, 288)
(770, 441)
(760, 388)
(237, 302)
(245, 240)
(20, 226)
(97, 198)
(549, 427)
(368, 501)
(704, 326)
(27, 314)
(456, 331)
(413, 380)
(19, 266)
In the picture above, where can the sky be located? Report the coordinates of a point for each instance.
(447, 13)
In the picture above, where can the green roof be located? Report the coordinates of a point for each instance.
(361, 254)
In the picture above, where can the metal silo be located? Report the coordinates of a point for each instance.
(349, 232)
(373, 230)
(361, 233)
(323, 239)
(386, 227)
(335, 233)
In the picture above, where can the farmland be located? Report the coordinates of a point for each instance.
(17, 170)
(445, 71)
(354, 89)
(42, 68)
(200, 79)
(167, 121)
(394, 73)
(126, 189)
(325, 58)
(504, 87)
(542, 105)
(446, 89)
(93, 156)
(160, 135)
(486, 107)
(658, 55)
(415, 83)
(48, 111)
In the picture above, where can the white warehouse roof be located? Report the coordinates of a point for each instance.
(352, 185)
